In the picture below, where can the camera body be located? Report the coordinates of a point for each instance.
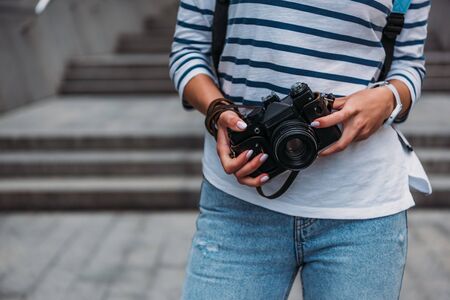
(281, 129)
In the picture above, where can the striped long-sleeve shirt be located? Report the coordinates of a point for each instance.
(334, 46)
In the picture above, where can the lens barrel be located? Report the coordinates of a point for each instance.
(294, 145)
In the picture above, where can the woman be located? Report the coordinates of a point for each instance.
(343, 221)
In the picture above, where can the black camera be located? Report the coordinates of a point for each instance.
(281, 129)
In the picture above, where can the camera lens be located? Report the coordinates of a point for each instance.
(295, 148)
(294, 145)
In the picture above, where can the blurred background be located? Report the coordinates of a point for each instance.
(100, 167)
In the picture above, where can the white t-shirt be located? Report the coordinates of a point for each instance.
(334, 47)
(369, 179)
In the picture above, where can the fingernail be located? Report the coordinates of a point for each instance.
(315, 124)
(322, 154)
(264, 157)
(241, 125)
(249, 153)
(264, 178)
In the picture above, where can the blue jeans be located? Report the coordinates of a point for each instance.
(243, 251)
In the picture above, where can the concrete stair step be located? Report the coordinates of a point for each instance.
(428, 125)
(431, 139)
(159, 23)
(146, 37)
(160, 30)
(153, 142)
(144, 43)
(438, 71)
(436, 84)
(128, 122)
(437, 57)
(440, 196)
(117, 73)
(435, 161)
(122, 60)
(166, 25)
(118, 142)
(98, 193)
(100, 163)
(119, 86)
(145, 163)
(142, 48)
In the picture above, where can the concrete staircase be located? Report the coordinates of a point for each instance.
(99, 153)
(118, 74)
(138, 66)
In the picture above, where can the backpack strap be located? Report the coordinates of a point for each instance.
(219, 30)
(394, 26)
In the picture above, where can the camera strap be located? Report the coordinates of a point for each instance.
(282, 189)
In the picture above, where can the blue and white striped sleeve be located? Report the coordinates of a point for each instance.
(191, 47)
(408, 64)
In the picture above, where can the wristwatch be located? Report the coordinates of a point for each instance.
(399, 105)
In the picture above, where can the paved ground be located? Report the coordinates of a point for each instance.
(128, 256)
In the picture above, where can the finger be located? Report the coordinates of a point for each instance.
(339, 103)
(331, 119)
(252, 165)
(223, 148)
(223, 141)
(230, 165)
(254, 182)
(348, 135)
(363, 134)
(230, 119)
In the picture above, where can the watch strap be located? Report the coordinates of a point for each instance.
(398, 107)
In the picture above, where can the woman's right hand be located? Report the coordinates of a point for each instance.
(239, 166)
(199, 92)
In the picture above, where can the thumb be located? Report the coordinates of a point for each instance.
(231, 120)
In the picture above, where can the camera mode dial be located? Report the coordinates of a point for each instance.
(299, 89)
(272, 97)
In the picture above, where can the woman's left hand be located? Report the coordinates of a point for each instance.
(361, 113)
